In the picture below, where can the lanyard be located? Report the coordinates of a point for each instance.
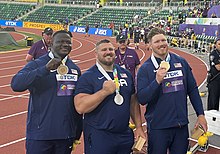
(44, 43)
(154, 61)
(120, 59)
(115, 74)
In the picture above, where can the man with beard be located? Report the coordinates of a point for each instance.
(52, 121)
(41, 47)
(105, 94)
(163, 83)
(126, 57)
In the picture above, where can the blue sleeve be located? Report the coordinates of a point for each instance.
(193, 92)
(27, 76)
(146, 89)
(83, 85)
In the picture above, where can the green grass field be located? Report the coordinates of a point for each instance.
(21, 44)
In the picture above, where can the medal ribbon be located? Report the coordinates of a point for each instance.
(154, 61)
(115, 74)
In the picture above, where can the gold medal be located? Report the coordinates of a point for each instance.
(62, 69)
(165, 65)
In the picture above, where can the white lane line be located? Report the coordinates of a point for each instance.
(12, 142)
(6, 85)
(13, 115)
(8, 68)
(15, 96)
(5, 76)
(18, 55)
(6, 62)
(24, 96)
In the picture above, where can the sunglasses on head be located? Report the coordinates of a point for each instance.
(122, 41)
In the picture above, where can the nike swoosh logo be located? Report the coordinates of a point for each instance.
(100, 78)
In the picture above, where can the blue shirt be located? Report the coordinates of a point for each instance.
(108, 115)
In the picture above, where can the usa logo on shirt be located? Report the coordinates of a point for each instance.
(123, 75)
(177, 65)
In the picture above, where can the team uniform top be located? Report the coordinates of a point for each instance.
(38, 49)
(166, 103)
(108, 115)
(51, 114)
(128, 60)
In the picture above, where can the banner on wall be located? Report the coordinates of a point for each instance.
(42, 25)
(94, 31)
(11, 23)
(203, 21)
(209, 30)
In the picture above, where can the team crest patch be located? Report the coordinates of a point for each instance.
(177, 65)
(123, 75)
(74, 71)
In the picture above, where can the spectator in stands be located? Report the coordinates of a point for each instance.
(42, 46)
(163, 88)
(126, 57)
(214, 78)
(107, 106)
(52, 123)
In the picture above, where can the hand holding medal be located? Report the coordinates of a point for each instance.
(165, 65)
(53, 64)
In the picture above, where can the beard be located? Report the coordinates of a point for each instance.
(107, 63)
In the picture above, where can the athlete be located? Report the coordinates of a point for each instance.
(52, 121)
(107, 105)
(164, 89)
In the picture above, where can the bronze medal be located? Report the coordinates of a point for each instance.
(62, 69)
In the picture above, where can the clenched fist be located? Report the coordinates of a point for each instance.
(53, 64)
(109, 86)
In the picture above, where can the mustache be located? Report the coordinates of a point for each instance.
(109, 54)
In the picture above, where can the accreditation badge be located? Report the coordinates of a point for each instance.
(173, 82)
(66, 84)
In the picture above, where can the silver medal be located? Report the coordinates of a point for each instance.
(118, 99)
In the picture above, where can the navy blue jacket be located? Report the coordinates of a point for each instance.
(165, 110)
(49, 116)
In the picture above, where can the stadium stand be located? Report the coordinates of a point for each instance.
(10, 11)
(57, 14)
(107, 15)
